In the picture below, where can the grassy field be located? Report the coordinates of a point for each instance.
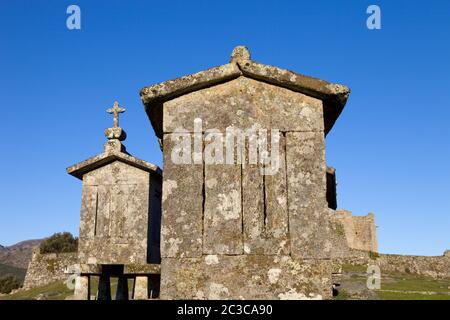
(412, 283)
(410, 296)
(394, 286)
(53, 291)
(59, 291)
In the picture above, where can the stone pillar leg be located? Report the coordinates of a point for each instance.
(82, 288)
(104, 288)
(122, 288)
(141, 288)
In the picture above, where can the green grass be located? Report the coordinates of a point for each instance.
(410, 296)
(59, 291)
(411, 283)
(53, 291)
(355, 276)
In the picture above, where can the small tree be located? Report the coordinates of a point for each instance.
(59, 243)
(9, 283)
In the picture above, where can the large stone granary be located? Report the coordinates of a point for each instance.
(245, 212)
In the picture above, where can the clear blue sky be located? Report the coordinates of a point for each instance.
(390, 145)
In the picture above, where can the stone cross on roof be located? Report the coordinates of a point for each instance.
(116, 133)
(116, 110)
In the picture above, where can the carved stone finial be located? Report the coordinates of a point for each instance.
(240, 54)
(115, 134)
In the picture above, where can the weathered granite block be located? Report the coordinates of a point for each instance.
(276, 210)
(244, 102)
(140, 288)
(223, 210)
(245, 277)
(142, 269)
(182, 212)
(253, 210)
(82, 288)
(265, 216)
(306, 171)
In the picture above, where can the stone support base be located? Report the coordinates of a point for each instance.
(245, 277)
(82, 288)
(146, 281)
(140, 288)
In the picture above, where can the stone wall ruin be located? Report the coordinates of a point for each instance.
(47, 268)
(360, 231)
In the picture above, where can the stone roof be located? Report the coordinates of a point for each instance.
(334, 96)
(81, 168)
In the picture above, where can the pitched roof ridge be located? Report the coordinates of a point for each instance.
(333, 95)
(83, 167)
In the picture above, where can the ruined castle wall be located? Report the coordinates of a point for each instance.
(341, 248)
(429, 266)
(47, 268)
(435, 266)
(360, 231)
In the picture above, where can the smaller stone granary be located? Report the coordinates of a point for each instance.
(119, 219)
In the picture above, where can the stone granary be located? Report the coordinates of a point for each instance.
(254, 223)
(120, 220)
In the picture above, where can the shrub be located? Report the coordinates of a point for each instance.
(9, 283)
(59, 243)
(373, 255)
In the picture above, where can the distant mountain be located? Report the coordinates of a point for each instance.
(19, 254)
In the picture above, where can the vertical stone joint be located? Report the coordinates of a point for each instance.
(264, 205)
